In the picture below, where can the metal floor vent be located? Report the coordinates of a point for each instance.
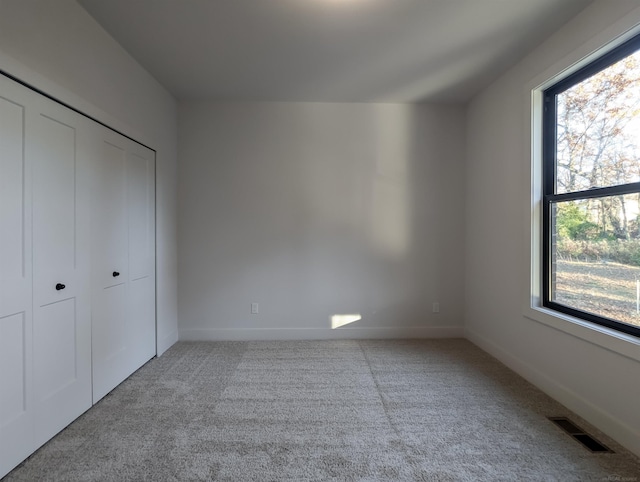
(577, 433)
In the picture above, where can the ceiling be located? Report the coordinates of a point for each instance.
(329, 50)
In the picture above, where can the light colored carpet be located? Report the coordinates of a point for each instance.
(419, 410)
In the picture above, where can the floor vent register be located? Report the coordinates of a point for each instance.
(580, 435)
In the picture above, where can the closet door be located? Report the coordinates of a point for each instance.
(61, 256)
(110, 342)
(16, 373)
(124, 321)
(142, 281)
(77, 266)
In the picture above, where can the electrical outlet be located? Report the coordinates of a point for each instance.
(254, 308)
(436, 307)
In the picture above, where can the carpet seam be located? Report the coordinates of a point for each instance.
(396, 431)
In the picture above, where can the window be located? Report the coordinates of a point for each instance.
(591, 192)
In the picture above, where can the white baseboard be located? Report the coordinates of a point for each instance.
(240, 334)
(164, 343)
(604, 421)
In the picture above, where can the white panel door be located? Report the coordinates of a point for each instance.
(124, 317)
(110, 239)
(77, 266)
(16, 375)
(142, 282)
(61, 256)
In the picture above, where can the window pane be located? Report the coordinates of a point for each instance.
(598, 126)
(595, 256)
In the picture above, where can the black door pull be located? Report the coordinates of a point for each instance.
(60, 286)
(116, 274)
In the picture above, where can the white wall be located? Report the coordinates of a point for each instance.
(589, 377)
(314, 210)
(57, 47)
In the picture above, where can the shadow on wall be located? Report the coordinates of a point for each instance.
(412, 231)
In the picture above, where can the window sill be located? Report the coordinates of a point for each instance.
(612, 340)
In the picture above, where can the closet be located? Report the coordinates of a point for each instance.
(77, 266)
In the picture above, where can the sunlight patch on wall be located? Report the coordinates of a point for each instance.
(341, 320)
